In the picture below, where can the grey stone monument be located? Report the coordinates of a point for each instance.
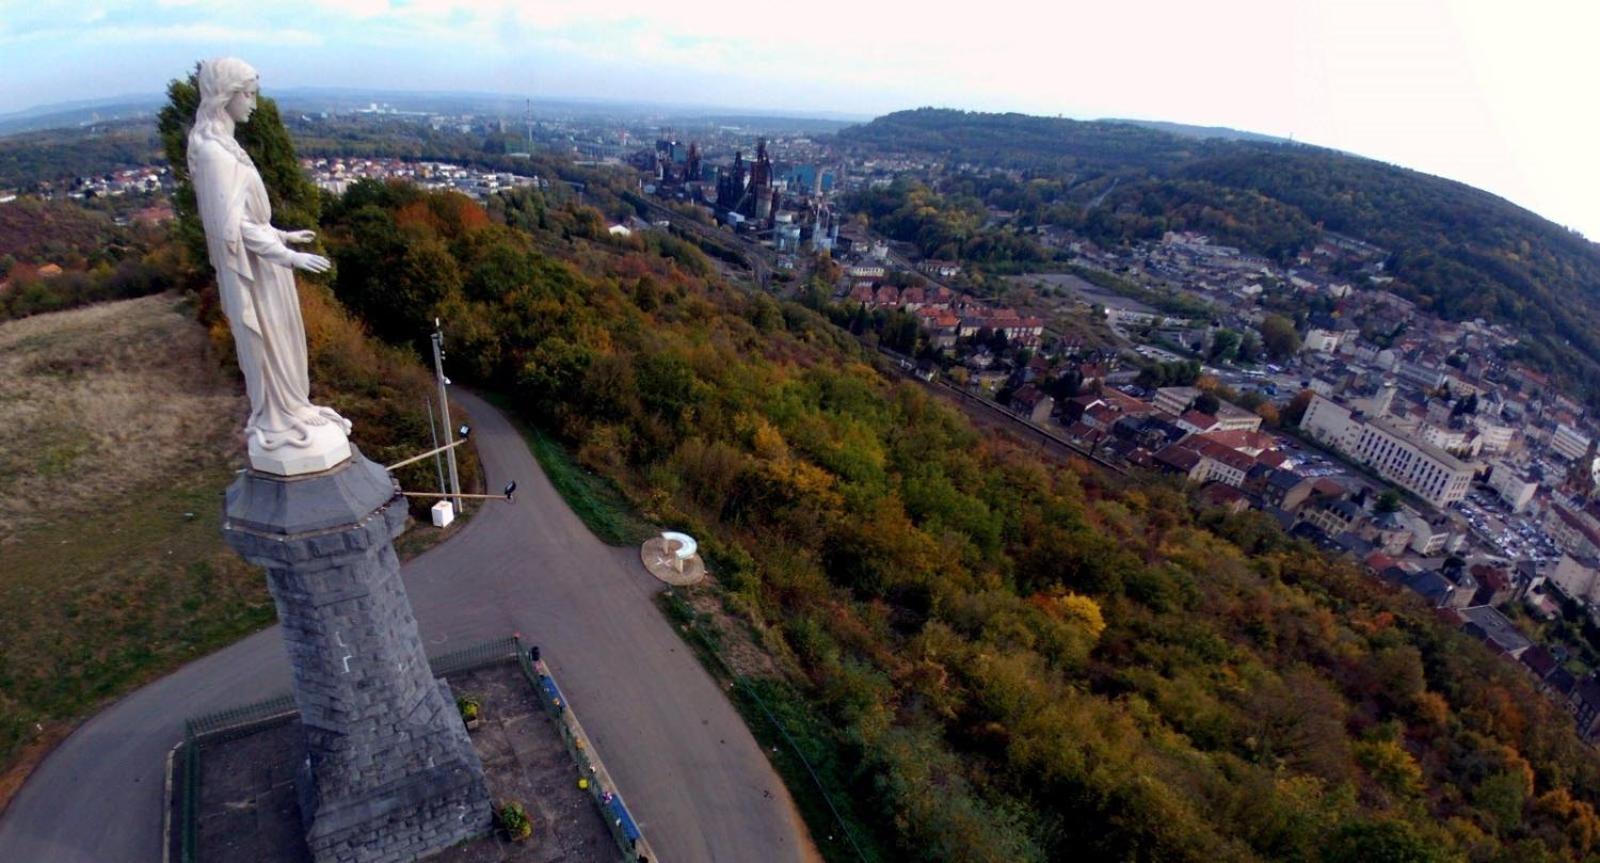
(390, 773)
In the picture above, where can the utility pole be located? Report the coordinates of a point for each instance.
(444, 407)
(433, 437)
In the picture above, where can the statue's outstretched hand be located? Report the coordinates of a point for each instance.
(299, 236)
(311, 263)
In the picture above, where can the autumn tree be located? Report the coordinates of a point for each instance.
(1279, 337)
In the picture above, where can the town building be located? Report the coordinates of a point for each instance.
(1578, 578)
(1568, 442)
(1424, 470)
(1573, 533)
(1032, 403)
(1514, 488)
(1495, 630)
(1334, 517)
(1495, 437)
(1231, 417)
(1175, 400)
(1428, 536)
(1331, 424)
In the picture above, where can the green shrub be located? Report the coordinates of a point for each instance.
(513, 819)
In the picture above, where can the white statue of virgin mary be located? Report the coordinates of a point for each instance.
(286, 433)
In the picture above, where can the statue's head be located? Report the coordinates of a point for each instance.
(227, 85)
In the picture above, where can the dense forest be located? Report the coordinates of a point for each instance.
(1013, 661)
(1458, 251)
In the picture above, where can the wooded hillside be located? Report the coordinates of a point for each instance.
(996, 659)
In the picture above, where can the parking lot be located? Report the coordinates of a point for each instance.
(1509, 535)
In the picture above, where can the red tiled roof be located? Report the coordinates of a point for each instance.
(1179, 458)
(1221, 493)
(1327, 487)
(1272, 458)
(1242, 439)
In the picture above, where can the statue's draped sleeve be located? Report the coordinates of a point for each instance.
(266, 242)
(223, 188)
(219, 191)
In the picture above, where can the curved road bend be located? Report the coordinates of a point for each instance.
(685, 762)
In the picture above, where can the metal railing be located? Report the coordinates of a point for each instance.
(475, 656)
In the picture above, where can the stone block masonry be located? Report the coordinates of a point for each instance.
(390, 773)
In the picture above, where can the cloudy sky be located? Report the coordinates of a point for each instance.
(1494, 93)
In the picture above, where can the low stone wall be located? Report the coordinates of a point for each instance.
(601, 786)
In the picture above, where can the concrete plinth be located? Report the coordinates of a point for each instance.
(663, 557)
(391, 774)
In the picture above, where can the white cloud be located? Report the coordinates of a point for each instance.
(217, 34)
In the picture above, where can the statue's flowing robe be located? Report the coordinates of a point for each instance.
(258, 294)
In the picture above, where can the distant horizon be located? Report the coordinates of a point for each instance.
(1481, 93)
(50, 108)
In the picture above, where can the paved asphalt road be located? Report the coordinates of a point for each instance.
(683, 758)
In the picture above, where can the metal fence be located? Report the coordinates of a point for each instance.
(236, 722)
(475, 656)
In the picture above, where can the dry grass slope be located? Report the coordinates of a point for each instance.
(105, 400)
(120, 434)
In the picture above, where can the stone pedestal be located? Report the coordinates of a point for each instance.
(391, 774)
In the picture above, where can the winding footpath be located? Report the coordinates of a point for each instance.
(699, 784)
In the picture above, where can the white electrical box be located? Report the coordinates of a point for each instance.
(443, 514)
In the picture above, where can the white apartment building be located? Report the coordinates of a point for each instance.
(1496, 437)
(1514, 488)
(1175, 400)
(1428, 538)
(1578, 579)
(1569, 443)
(1231, 417)
(1322, 341)
(1418, 467)
(1331, 424)
(1377, 404)
(1446, 439)
(1415, 465)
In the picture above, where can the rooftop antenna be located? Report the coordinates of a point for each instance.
(527, 119)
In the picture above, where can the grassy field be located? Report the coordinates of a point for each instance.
(121, 431)
(120, 435)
